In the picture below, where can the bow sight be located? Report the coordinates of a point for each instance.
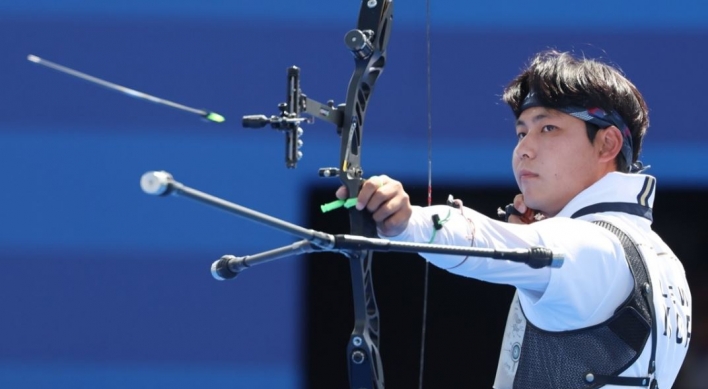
(289, 119)
(359, 43)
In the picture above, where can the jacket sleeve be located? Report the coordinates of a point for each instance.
(466, 227)
(594, 259)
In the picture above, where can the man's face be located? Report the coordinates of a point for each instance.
(553, 160)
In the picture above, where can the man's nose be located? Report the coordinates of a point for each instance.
(526, 148)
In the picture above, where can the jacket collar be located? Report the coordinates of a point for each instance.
(615, 192)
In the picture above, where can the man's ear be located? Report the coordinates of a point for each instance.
(609, 143)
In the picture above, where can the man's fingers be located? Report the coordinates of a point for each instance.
(342, 192)
(395, 224)
(527, 217)
(367, 191)
(519, 203)
(372, 195)
(391, 205)
(388, 203)
(513, 219)
(394, 220)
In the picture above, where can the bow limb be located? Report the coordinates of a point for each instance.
(368, 44)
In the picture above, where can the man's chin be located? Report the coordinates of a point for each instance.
(532, 203)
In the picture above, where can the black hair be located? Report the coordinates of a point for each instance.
(561, 80)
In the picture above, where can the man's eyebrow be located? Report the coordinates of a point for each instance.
(536, 118)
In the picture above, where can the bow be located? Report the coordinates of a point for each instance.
(368, 45)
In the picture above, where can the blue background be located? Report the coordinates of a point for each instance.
(105, 286)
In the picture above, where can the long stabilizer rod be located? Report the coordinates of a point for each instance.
(161, 183)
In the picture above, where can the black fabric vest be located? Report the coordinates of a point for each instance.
(592, 357)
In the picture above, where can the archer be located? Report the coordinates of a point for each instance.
(618, 312)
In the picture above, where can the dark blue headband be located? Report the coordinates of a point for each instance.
(598, 117)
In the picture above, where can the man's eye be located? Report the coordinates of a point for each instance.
(549, 127)
(520, 135)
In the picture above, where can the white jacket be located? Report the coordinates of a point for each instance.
(594, 279)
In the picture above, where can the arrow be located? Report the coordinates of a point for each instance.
(208, 115)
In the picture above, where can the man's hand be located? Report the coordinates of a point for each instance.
(527, 216)
(388, 203)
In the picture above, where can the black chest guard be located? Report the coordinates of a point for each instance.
(592, 357)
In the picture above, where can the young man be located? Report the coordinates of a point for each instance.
(617, 314)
